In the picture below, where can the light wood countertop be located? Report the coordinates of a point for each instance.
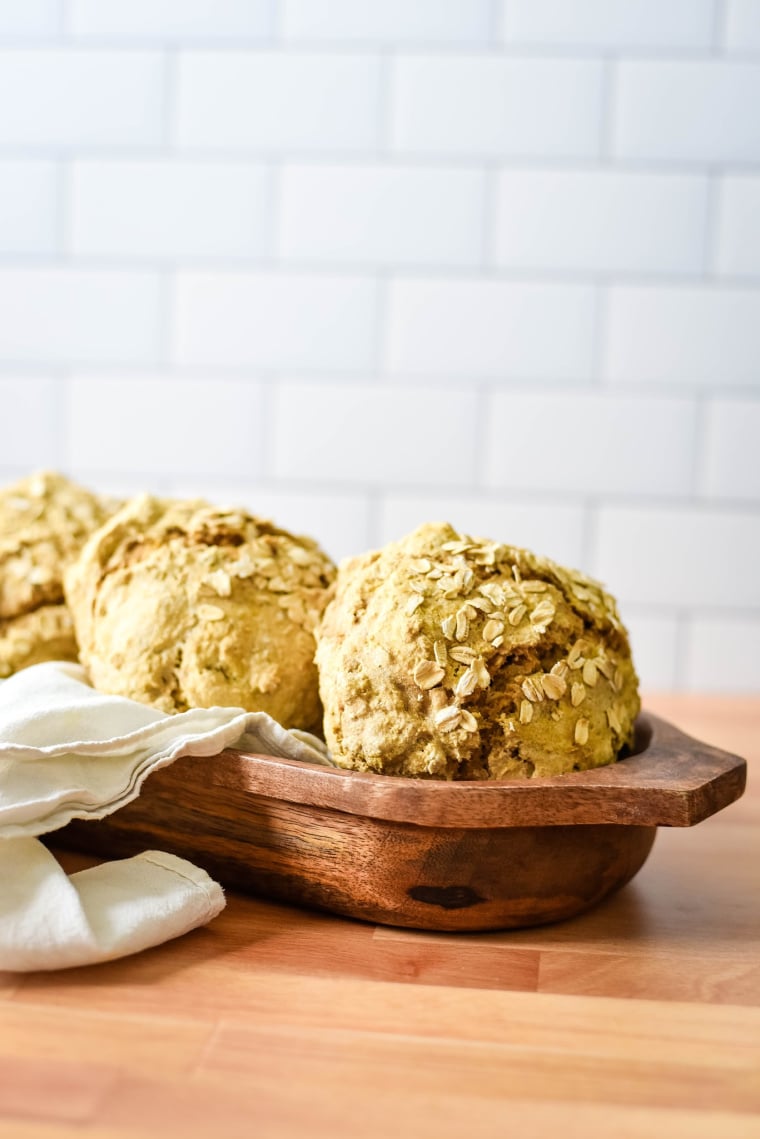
(639, 1018)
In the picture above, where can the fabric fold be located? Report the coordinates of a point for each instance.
(51, 921)
(66, 752)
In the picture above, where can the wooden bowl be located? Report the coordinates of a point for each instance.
(425, 854)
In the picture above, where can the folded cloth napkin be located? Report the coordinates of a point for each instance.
(67, 751)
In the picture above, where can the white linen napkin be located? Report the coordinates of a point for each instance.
(67, 751)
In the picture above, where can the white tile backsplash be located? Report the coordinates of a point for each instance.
(731, 465)
(600, 24)
(480, 327)
(30, 424)
(30, 19)
(67, 97)
(601, 221)
(28, 207)
(389, 22)
(274, 321)
(722, 656)
(490, 106)
(273, 102)
(743, 26)
(386, 215)
(361, 263)
(654, 641)
(671, 110)
(680, 556)
(176, 427)
(170, 209)
(689, 335)
(68, 316)
(738, 226)
(173, 20)
(362, 433)
(585, 442)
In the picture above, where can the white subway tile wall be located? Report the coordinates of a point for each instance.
(601, 222)
(275, 102)
(30, 18)
(170, 209)
(692, 335)
(743, 26)
(161, 421)
(382, 215)
(80, 315)
(178, 20)
(30, 434)
(274, 320)
(28, 207)
(485, 327)
(445, 22)
(497, 107)
(730, 467)
(60, 98)
(678, 555)
(621, 24)
(357, 264)
(709, 667)
(346, 433)
(618, 444)
(738, 240)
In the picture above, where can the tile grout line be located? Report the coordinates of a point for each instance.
(360, 156)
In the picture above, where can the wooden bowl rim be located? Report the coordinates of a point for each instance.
(674, 780)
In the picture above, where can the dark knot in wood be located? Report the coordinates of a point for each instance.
(447, 897)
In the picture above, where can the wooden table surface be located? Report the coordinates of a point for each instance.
(640, 1018)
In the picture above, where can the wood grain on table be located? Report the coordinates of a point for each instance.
(639, 1018)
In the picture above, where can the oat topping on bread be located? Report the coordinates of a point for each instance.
(180, 604)
(446, 656)
(44, 521)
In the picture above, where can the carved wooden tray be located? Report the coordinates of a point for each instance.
(425, 854)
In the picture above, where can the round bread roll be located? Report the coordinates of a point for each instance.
(179, 604)
(450, 657)
(44, 521)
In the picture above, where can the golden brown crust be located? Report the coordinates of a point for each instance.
(179, 604)
(450, 657)
(47, 633)
(44, 521)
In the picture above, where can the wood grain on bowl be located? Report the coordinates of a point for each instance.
(424, 854)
